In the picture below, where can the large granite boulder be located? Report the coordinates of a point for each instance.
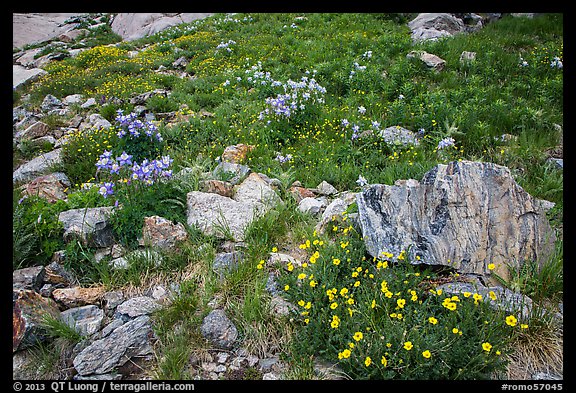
(465, 215)
(132, 26)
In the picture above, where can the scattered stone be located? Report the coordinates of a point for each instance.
(464, 215)
(162, 233)
(37, 166)
(111, 300)
(77, 296)
(89, 224)
(141, 99)
(396, 135)
(106, 354)
(95, 121)
(22, 76)
(269, 377)
(432, 61)
(236, 153)
(335, 210)
(328, 371)
(36, 130)
(29, 310)
(256, 192)
(432, 26)
(120, 263)
(50, 103)
(326, 188)
(558, 163)
(220, 216)
(87, 320)
(300, 193)
(72, 99)
(30, 278)
(281, 307)
(282, 260)
(225, 262)
(310, 206)
(90, 102)
(56, 274)
(51, 187)
(137, 306)
(219, 330)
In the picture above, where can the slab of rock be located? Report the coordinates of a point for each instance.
(397, 135)
(90, 225)
(38, 166)
(310, 206)
(78, 296)
(162, 233)
(137, 306)
(22, 76)
(28, 278)
(215, 215)
(464, 215)
(32, 28)
(86, 320)
(236, 153)
(35, 130)
(106, 354)
(231, 172)
(51, 187)
(432, 61)
(56, 274)
(255, 191)
(431, 26)
(132, 26)
(29, 310)
(219, 330)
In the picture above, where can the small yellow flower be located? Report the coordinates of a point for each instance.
(408, 345)
(373, 305)
(335, 321)
(498, 353)
(401, 303)
(358, 336)
(290, 267)
(433, 320)
(336, 261)
(455, 330)
(523, 326)
(388, 345)
(351, 345)
(486, 346)
(368, 361)
(301, 303)
(345, 354)
(313, 283)
(491, 266)
(492, 295)
(301, 276)
(511, 320)
(426, 354)
(333, 305)
(384, 361)
(274, 249)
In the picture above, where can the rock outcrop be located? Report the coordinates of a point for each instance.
(465, 215)
(131, 26)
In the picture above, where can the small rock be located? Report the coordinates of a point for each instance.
(87, 320)
(162, 233)
(431, 61)
(111, 300)
(269, 377)
(236, 153)
(56, 274)
(326, 188)
(310, 206)
(77, 296)
(467, 57)
(216, 187)
(137, 306)
(89, 103)
(28, 278)
(217, 328)
(29, 310)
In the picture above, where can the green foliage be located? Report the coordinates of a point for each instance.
(385, 319)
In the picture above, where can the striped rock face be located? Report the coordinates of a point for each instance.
(464, 215)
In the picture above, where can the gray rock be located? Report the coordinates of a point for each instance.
(432, 61)
(556, 162)
(326, 188)
(217, 215)
(111, 300)
(431, 26)
(310, 206)
(87, 320)
(335, 209)
(137, 306)
(467, 57)
(89, 103)
(90, 225)
(56, 274)
(106, 354)
(132, 26)
(29, 310)
(257, 192)
(22, 76)
(225, 262)
(95, 120)
(50, 103)
(119, 263)
(38, 166)
(72, 99)
(396, 135)
(28, 278)
(464, 215)
(36, 130)
(219, 330)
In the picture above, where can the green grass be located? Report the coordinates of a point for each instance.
(474, 103)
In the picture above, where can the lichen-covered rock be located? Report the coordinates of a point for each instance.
(51, 187)
(28, 278)
(38, 166)
(465, 215)
(162, 233)
(78, 296)
(217, 328)
(86, 320)
(90, 225)
(29, 310)
(104, 355)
